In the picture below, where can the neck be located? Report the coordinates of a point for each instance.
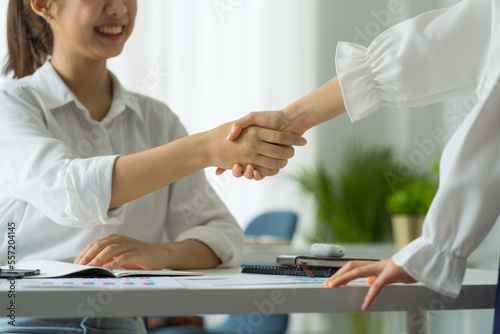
(89, 80)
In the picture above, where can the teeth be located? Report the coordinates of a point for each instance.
(110, 30)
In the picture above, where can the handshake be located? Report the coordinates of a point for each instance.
(257, 145)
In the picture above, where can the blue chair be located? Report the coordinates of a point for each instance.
(278, 224)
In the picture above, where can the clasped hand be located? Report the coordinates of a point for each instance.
(284, 134)
(268, 150)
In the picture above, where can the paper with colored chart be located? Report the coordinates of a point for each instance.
(103, 282)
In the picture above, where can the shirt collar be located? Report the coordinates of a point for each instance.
(59, 94)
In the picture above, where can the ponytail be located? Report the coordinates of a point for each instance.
(29, 39)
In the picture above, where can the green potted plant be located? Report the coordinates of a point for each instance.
(351, 204)
(408, 205)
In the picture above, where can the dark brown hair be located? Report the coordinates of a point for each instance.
(29, 39)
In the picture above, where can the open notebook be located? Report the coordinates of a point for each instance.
(49, 268)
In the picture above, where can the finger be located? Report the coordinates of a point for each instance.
(276, 151)
(381, 281)
(370, 279)
(96, 247)
(110, 252)
(237, 170)
(234, 132)
(263, 172)
(268, 163)
(219, 171)
(89, 255)
(281, 138)
(249, 172)
(257, 176)
(79, 258)
(348, 267)
(352, 265)
(344, 269)
(241, 124)
(363, 269)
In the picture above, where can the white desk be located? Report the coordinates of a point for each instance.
(478, 293)
(481, 258)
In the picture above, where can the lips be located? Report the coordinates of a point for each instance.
(110, 29)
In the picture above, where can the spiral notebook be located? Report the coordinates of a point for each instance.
(291, 271)
(299, 265)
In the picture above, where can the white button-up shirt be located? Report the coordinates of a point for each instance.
(56, 170)
(435, 56)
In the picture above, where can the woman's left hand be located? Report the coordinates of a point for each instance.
(378, 274)
(119, 251)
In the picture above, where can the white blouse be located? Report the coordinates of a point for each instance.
(435, 56)
(55, 175)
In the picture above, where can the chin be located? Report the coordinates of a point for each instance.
(111, 54)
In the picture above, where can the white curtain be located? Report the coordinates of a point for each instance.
(213, 61)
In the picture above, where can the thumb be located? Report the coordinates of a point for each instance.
(219, 171)
(239, 125)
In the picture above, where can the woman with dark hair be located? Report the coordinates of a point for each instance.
(29, 39)
(98, 175)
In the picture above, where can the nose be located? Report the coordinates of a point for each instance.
(115, 7)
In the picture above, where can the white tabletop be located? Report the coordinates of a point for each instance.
(478, 292)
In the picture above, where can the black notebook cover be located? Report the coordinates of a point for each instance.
(292, 271)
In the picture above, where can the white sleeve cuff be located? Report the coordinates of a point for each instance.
(218, 242)
(356, 80)
(88, 193)
(437, 269)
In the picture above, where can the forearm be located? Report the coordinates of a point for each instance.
(138, 174)
(322, 104)
(189, 254)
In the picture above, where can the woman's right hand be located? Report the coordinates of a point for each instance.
(277, 120)
(268, 150)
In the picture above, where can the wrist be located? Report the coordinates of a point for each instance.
(298, 117)
(321, 105)
(214, 149)
(188, 254)
(203, 147)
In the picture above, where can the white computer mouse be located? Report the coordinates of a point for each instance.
(327, 250)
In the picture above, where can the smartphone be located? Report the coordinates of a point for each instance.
(18, 273)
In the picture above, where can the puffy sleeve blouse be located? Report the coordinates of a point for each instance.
(435, 56)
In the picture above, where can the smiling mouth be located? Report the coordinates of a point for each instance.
(116, 30)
